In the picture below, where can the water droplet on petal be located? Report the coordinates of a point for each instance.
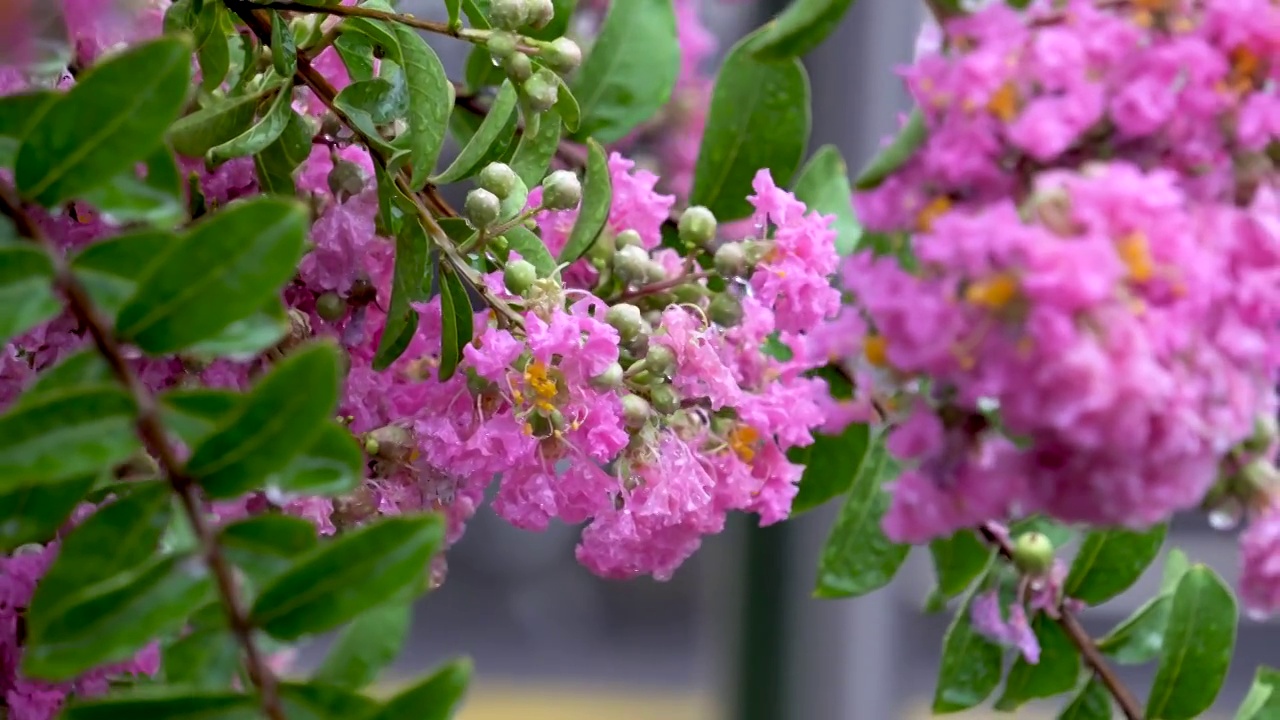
(1227, 515)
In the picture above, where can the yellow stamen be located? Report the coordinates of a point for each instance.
(537, 377)
(1136, 255)
(1004, 103)
(936, 208)
(995, 292)
(876, 350)
(742, 440)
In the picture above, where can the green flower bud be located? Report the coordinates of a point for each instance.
(518, 66)
(390, 442)
(346, 179)
(482, 208)
(689, 293)
(499, 179)
(697, 226)
(629, 237)
(654, 273)
(610, 379)
(1261, 474)
(635, 411)
(631, 265)
(371, 447)
(725, 310)
(563, 55)
(509, 14)
(541, 12)
(542, 90)
(625, 318)
(561, 190)
(664, 399)
(501, 44)
(731, 260)
(519, 276)
(659, 360)
(331, 306)
(1033, 553)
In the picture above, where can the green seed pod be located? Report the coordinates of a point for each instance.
(509, 14)
(561, 190)
(1033, 553)
(635, 411)
(731, 260)
(331, 306)
(542, 90)
(664, 399)
(482, 208)
(659, 360)
(610, 379)
(631, 265)
(563, 55)
(626, 319)
(518, 66)
(697, 226)
(499, 179)
(519, 276)
(541, 13)
(501, 44)
(725, 310)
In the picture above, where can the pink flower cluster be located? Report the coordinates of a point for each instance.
(1087, 324)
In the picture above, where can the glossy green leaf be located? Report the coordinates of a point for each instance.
(332, 465)
(430, 103)
(367, 645)
(1093, 702)
(212, 125)
(454, 9)
(18, 114)
(117, 538)
(77, 370)
(279, 419)
(111, 621)
(631, 69)
(225, 269)
(857, 557)
(248, 338)
(894, 155)
(161, 702)
(535, 150)
(456, 322)
(435, 698)
(370, 103)
(958, 560)
(115, 115)
(1111, 560)
(34, 513)
(356, 51)
(803, 26)
(193, 413)
(1054, 674)
(277, 162)
(480, 71)
(406, 288)
(970, 668)
(316, 701)
(265, 546)
(65, 433)
(284, 54)
(823, 186)
(759, 118)
(830, 465)
(1197, 648)
(532, 249)
(497, 129)
(567, 108)
(1263, 700)
(212, 51)
(206, 659)
(260, 136)
(125, 199)
(593, 213)
(109, 268)
(382, 34)
(348, 576)
(26, 289)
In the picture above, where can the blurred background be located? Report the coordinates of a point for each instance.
(736, 634)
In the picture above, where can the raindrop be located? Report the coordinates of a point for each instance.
(1227, 515)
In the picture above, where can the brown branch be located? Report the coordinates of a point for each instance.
(664, 285)
(1079, 637)
(154, 437)
(364, 12)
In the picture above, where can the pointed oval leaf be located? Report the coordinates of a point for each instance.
(276, 163)
(26, 290)
(356, 51)
(348, 576)
(1056, 673)
(1093, 702)
(958, 561)
(456, 323)
(126, 198)
(857, 557)
(160, 702)
(64, 433)
(823, 186)
(407, 281)
(1198, 643)
(759, 118)
(115, 115)
(379, 33)
(277, 421)
(1263, 700)
(498, 126)
(970, 668)
(284, 54)
(193, 135)
(631, 69)
(454, 9)
(266, 545)
(535, 150)
(435, 698)
(830, 465)
(317, 701)
(894, 155)
(803, 26)
(332, 465)
(430, 103)
(206, 659)
(110, 268)
(593, 213)
(261, 135)
(567, 107)
(193, 413)
(1110, 561)
(34, 513)
(224, 270)
(367, 645)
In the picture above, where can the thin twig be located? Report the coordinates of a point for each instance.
(153, 436)
(664, 285)
(372, 14)
(1079, 637)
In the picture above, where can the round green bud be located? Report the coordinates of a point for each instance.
(509, 14)
(697, 226)
(659, 360)
(631, 264)
(1033, 553)
(499, 179)
(563, 55)
(482, 208)
(561, 190)
(725, 310)
(1261, 474)
(519, 276)
(626, 319)
(391, 442)
(518, 66)
(542, 91)
(731, 260)
(610, 379)
(331, 306)
(654, 273)
(689, 293)
(629, 237)
(664, 399)
(635, 411)
(541, 12)
(501, 44)
(371, 447)
(345, 180)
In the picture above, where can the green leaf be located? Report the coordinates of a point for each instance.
(567, 107)
(126, 199)
(631, 69)
(193, 413)
(858, 558)
(65, 433)
(1058, 534)
(284, 54)
(535, 150)
(206, 659)
(225, 269)
(82, 368)
(380, 33)
(593, 213)
(18, 114)
(366, 645)
(958, 560)
(759, 118)
(348, 576)
(334, 464)
(315, 701)
(435, 698)
(279, 419)
(1263, 700)
(803, 26)
(246, 339)
(212, 125)
(114, 116)
(1197, 647)
(111, 621)
(1054, 674)
(1110, 561)
(895, 154)
(276, 163)
(261, 135)
(480, 71)
(117, 538)
(430, 103)
(456, 322)
(109, 268)
(1139, 637)
(454, 9)
(371, 103)
(34, 513)
(831, 464)
(26, 290)
(496, 130)
(265, 546)
(532, 249)
(970, 668)
(161, 702)
(1093, 702)
(212, 49)
(356, 51)
(406, 287)
(823, 186)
